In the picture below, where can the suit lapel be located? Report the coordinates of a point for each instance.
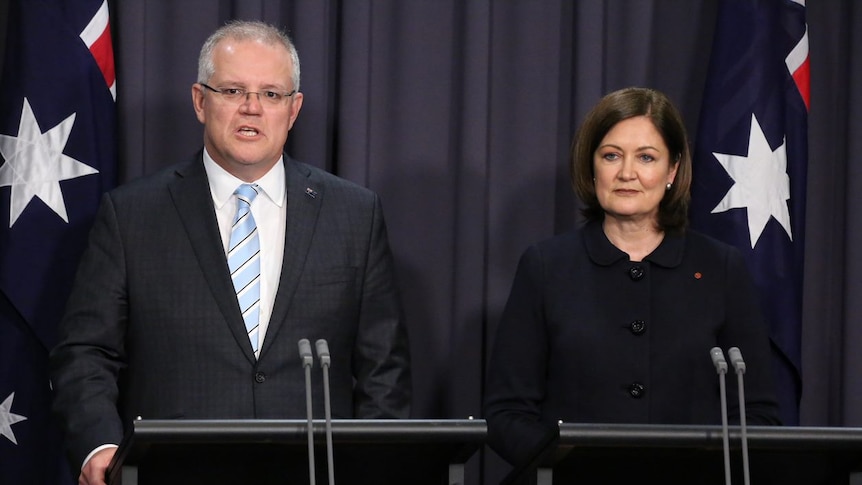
(304, 198)
(191, 194)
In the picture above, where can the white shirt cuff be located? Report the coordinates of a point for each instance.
(98, 449)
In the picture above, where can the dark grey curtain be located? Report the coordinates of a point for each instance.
(832, 307)
(460, 114)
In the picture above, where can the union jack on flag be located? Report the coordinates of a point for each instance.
(750, 164)
(57, 143)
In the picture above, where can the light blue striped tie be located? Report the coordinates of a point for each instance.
(243, 259)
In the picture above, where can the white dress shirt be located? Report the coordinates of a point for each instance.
(269, 209)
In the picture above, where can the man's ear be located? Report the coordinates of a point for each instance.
(198, 100)
(296, 105)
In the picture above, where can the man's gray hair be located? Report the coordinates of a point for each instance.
(245, 30)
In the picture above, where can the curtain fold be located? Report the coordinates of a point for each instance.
(461, 114)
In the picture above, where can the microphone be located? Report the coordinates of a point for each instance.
(323, 355)
(721, 368)
(739, 365)
(307, 362)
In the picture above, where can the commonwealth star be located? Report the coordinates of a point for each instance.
(35, 164)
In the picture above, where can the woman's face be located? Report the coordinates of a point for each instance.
(632, 166)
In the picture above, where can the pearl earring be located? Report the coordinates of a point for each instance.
(669, 185)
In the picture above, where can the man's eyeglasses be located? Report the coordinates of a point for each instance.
(239, 95)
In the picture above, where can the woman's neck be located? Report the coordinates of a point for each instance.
(637, 239)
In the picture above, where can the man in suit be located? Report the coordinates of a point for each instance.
(161, 323)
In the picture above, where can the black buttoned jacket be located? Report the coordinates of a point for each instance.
(589, 336)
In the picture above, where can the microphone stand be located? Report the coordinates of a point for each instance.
(721, 368)
(739, 366)
(323, 354)
(307, 362)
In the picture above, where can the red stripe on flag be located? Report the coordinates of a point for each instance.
(103, 52)
(802, 77)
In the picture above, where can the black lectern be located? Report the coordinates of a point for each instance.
(263, 452)
(671, 454)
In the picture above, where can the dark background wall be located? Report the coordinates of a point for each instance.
(461, 113)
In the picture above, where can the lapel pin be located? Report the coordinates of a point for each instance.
(311, 192)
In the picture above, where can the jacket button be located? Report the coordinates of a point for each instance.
(636, 273)
(259, 377)
(637, 390)
(638, 327)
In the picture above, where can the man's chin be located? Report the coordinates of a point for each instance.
(256, 165)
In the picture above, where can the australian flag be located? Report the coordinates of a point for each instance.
(57, 143)
(750, 163)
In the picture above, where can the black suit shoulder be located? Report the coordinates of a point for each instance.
(698, 241)
(194, 168)
(186, 168)
(150, 190)
(333, 184)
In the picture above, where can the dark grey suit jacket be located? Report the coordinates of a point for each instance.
(153, 328)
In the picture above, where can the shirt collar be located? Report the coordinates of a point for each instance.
(601, 251)
(223, 184)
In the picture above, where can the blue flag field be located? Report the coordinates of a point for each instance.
(750, 164)
(57, 156)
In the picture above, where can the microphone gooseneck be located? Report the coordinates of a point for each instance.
(720, 364)
(325, 361)
(739, 366)
(307, 362)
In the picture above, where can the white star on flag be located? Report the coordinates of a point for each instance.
(35, 164)
(7, 418)
(761, 184)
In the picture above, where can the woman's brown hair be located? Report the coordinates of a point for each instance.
(610, 110)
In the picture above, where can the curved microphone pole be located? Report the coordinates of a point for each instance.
(323, 355)
(307, 362)
(721, 368)
(739, 365)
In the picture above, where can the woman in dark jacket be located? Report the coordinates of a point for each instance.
(613, 322)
